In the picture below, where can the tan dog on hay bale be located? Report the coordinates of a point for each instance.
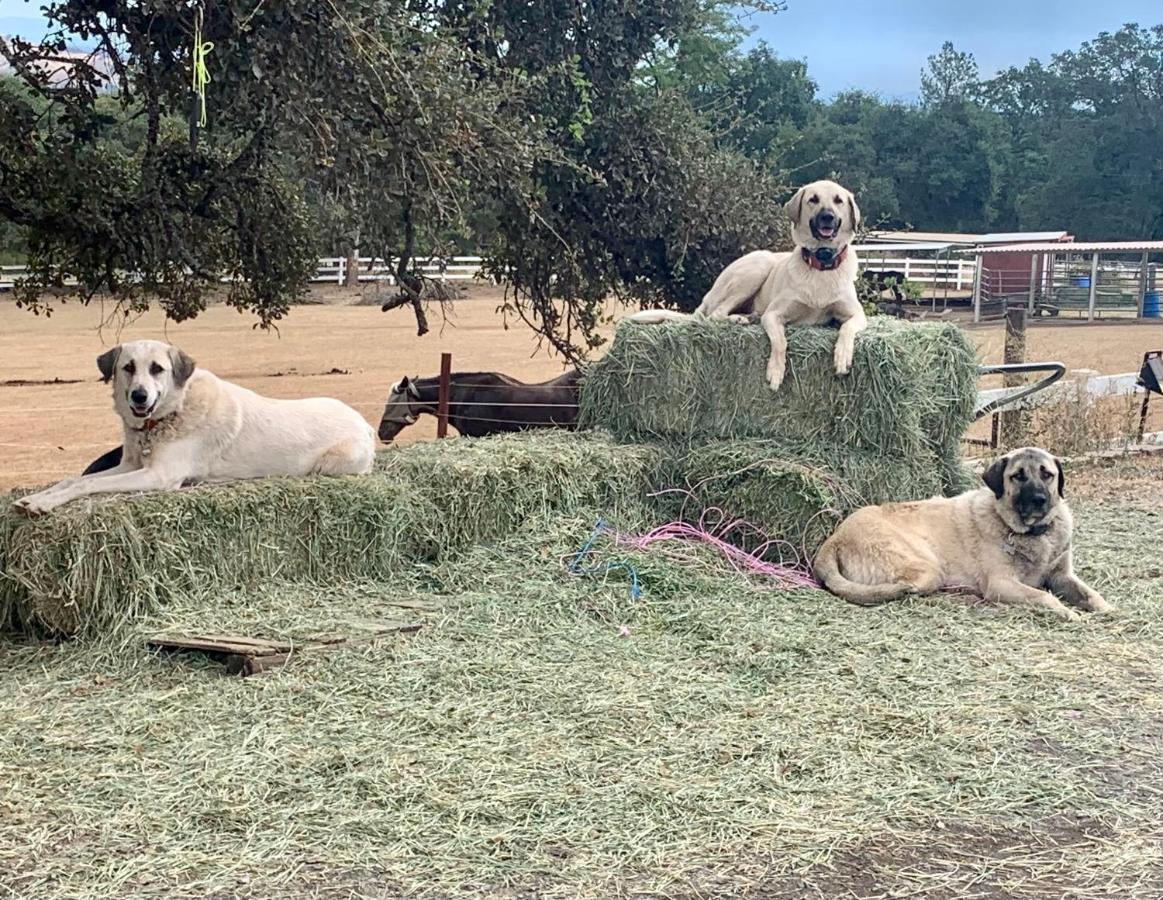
(1009, 541)
(184, 425)
(814, 284)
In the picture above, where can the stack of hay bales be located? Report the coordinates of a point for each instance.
(679, 405)
(796, 460)
(97, 563)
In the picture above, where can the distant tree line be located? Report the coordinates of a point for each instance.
(631, 150)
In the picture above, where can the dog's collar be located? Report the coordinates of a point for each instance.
(1033, 531)
(823, 259)
(149, 425)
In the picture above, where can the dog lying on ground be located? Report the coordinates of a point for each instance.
(183, 425)
(1009, 541)
(814, 284)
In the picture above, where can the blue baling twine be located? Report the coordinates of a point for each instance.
(604, 568)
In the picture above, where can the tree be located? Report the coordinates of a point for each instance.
(640, 203)
(371, 98)
(949, 75)
(403, 123)
(1085, 132)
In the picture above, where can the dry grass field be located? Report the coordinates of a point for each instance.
(55, 415)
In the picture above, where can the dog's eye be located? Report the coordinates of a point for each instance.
(129, 368)
(1019, 476)
(814, 200)
(838, 201)
(155, 369)
(1047, 474)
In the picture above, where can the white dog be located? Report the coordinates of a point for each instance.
(184, 425)
(812, 285)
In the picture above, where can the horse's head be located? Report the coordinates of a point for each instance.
(398, 413)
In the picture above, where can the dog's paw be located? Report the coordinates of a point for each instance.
(1096, 604)
(843, 359)
(1070, 615)
(775, 373)
(33, 505)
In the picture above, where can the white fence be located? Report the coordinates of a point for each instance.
(956, 274)
(333, 270)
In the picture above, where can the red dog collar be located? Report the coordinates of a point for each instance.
(811, 259)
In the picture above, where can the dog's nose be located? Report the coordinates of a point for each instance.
(138, 396)
(827, 217)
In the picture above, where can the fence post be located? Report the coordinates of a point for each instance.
(1093, 286)
(1143, 282)
(1033, 278)
(1014, 422)
(442, 395)
(977, 277)
(339, 271)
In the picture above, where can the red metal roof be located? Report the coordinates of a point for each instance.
(1072, 247)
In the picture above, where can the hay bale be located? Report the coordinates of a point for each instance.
(911, 390)
(799, 492)
(96, 563)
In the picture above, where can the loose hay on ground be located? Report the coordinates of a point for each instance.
(519, 746)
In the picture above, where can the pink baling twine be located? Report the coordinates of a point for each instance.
(715, 535)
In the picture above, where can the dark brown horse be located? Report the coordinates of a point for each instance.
(482, 403)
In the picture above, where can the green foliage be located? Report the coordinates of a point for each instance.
(346, 101)
(630, 150)
(869, 296)
(949, 76)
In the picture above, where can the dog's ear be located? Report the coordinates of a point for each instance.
(183, 366)
(995, 477)
(853, 211)
(1061, 478)
(794, 208)
(107, 362)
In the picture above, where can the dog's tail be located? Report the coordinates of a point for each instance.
(655, 316)
(827, 569)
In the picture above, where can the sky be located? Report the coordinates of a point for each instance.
(881, 45)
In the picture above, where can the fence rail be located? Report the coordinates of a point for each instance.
(957, 274)
(333, 270)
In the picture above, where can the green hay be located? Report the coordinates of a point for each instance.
(94, 564)
(739, 742)
(911, 390)
(889, 431)
(799, 492)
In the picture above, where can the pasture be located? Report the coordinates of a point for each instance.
(545, 733)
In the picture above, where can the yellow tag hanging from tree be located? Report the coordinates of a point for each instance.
(201, 74)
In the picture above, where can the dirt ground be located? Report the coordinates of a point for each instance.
(55, 415)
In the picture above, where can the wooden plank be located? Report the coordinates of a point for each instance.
(218, 644)
(247, 656)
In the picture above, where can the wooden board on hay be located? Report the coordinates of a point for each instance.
(242, 655)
